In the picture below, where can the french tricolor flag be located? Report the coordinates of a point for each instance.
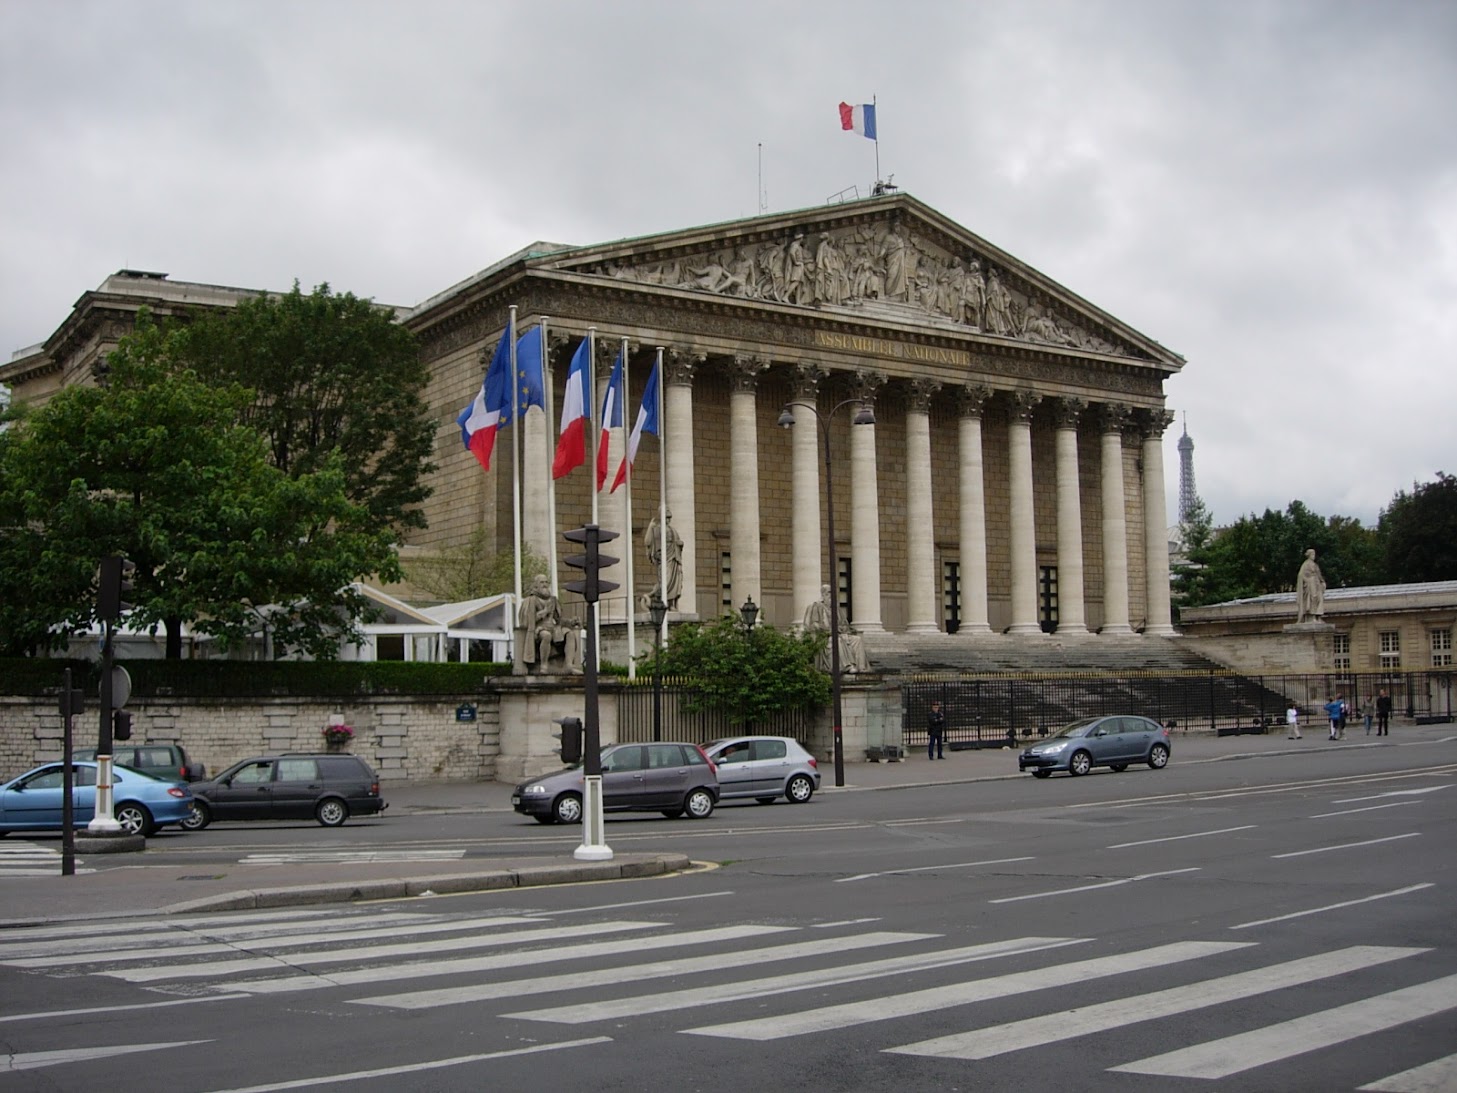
(858, 119)
(611, 418)
(571, 445)
(491, 408)
(647, 422)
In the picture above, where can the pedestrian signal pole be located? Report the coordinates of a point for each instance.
(591, 587)
(113, 597)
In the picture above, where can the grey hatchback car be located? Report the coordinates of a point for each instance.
(764, 768)
(1092, 742)
(672, 778)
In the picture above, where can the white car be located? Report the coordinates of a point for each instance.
(764, 768)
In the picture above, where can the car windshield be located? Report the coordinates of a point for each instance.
(1076, 728)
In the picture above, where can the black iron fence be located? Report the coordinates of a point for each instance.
(635, 717)
(992, 710)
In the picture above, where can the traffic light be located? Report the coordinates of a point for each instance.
(73, 701)
(121, 725)
(571, 738)
(591, 586)
(116, 586)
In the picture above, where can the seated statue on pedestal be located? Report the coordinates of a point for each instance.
(546, 643)
(852, 646)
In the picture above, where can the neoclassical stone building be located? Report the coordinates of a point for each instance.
(1012, 480)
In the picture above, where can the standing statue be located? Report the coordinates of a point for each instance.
(542, 627)
(1309, 591)
(670, 576)
(852, 646)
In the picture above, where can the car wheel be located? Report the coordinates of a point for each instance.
(1042, 774)
(1080, 763)
(800, 789)
(699, 804)
(567, 809)
(766, 800)
(332, 812)
(1118, 768)
(198, 818)
(134, 818)
(1158, 757)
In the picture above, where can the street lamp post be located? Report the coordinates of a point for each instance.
(657, 612)
(748, 613)
(863, 416)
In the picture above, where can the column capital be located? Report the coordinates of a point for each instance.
(607, 350)
(1021, 403)
(1067, 411)
(680, 362)
(745, 370)
(972, 399)
(805, 379)
(1113, 417)
(921, 394)
(865, 383)
(1152, 423)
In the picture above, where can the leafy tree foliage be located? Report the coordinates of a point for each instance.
(470, 571)
(330, 374)
(156, 467)
(750, 674)
(1418, 532)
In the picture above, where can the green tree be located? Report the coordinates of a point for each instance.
(330, 374)
(1418, 532)
(749, 674)
(154, 466)
(469, 571)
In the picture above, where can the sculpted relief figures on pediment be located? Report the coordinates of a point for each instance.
(881, 266)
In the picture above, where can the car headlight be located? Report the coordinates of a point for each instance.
(1051, 749)
(533, 791)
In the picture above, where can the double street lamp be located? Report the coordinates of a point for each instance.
(863, 416)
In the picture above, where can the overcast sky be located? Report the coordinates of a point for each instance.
(1269, 189)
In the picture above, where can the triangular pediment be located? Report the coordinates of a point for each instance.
(882, 259)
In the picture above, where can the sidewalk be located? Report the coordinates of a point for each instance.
(152, 888)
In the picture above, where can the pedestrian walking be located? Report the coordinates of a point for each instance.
(1292, 723)
(1383, 714)
(1368, 713)
(1333, 710)
(935, 732)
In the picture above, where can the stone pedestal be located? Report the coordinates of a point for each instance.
(120, 843)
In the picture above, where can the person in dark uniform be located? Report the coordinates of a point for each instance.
(1383, 714)
(935, 732)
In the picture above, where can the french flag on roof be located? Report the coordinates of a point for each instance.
(858, 119)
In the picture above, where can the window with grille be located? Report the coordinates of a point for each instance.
(1441, 648)
(726, 582)
(1343, 652)
(951, 595)
(847, 586)
(1047, 597)
(1390, 649)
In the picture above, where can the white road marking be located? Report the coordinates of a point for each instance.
(784, 984)
(1391, 793)
(1368, 808)
(293, 857)
(1176, 838)
(49, 1015)
(414, 1068)
(1272, 1043)
(1347, 846)
(1093, 887)
(1438, 1076)
(571, 981)
(930, 869)
(35, 1060)
(886, 1007)
(1051, 1028)
(1333, 906)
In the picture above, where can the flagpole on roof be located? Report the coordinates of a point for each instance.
(663, 498)
(877, 140)
(550, 416)
(627, 551)
(515, 458)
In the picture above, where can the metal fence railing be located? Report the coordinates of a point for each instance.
(635, 718)
(992, 709)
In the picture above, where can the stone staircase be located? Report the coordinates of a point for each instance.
(899, 654)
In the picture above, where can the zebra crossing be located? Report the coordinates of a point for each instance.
(24, 859)
(531, 966)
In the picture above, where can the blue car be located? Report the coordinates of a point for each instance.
(140, 803)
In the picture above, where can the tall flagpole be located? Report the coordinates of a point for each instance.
(877, 147)
(551, 481)
(515, 458)
(663, 498)
(592, 440)
(628, 552)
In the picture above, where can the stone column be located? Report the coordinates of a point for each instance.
(864, 514)
(972, 402)
(1113, 417)
(679, 365)
(1155, 523)
(744, 490)
(536, 460)
(1023, 526)
(1070, 614)
(806, 448)
(612, 508)
(921, 583)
